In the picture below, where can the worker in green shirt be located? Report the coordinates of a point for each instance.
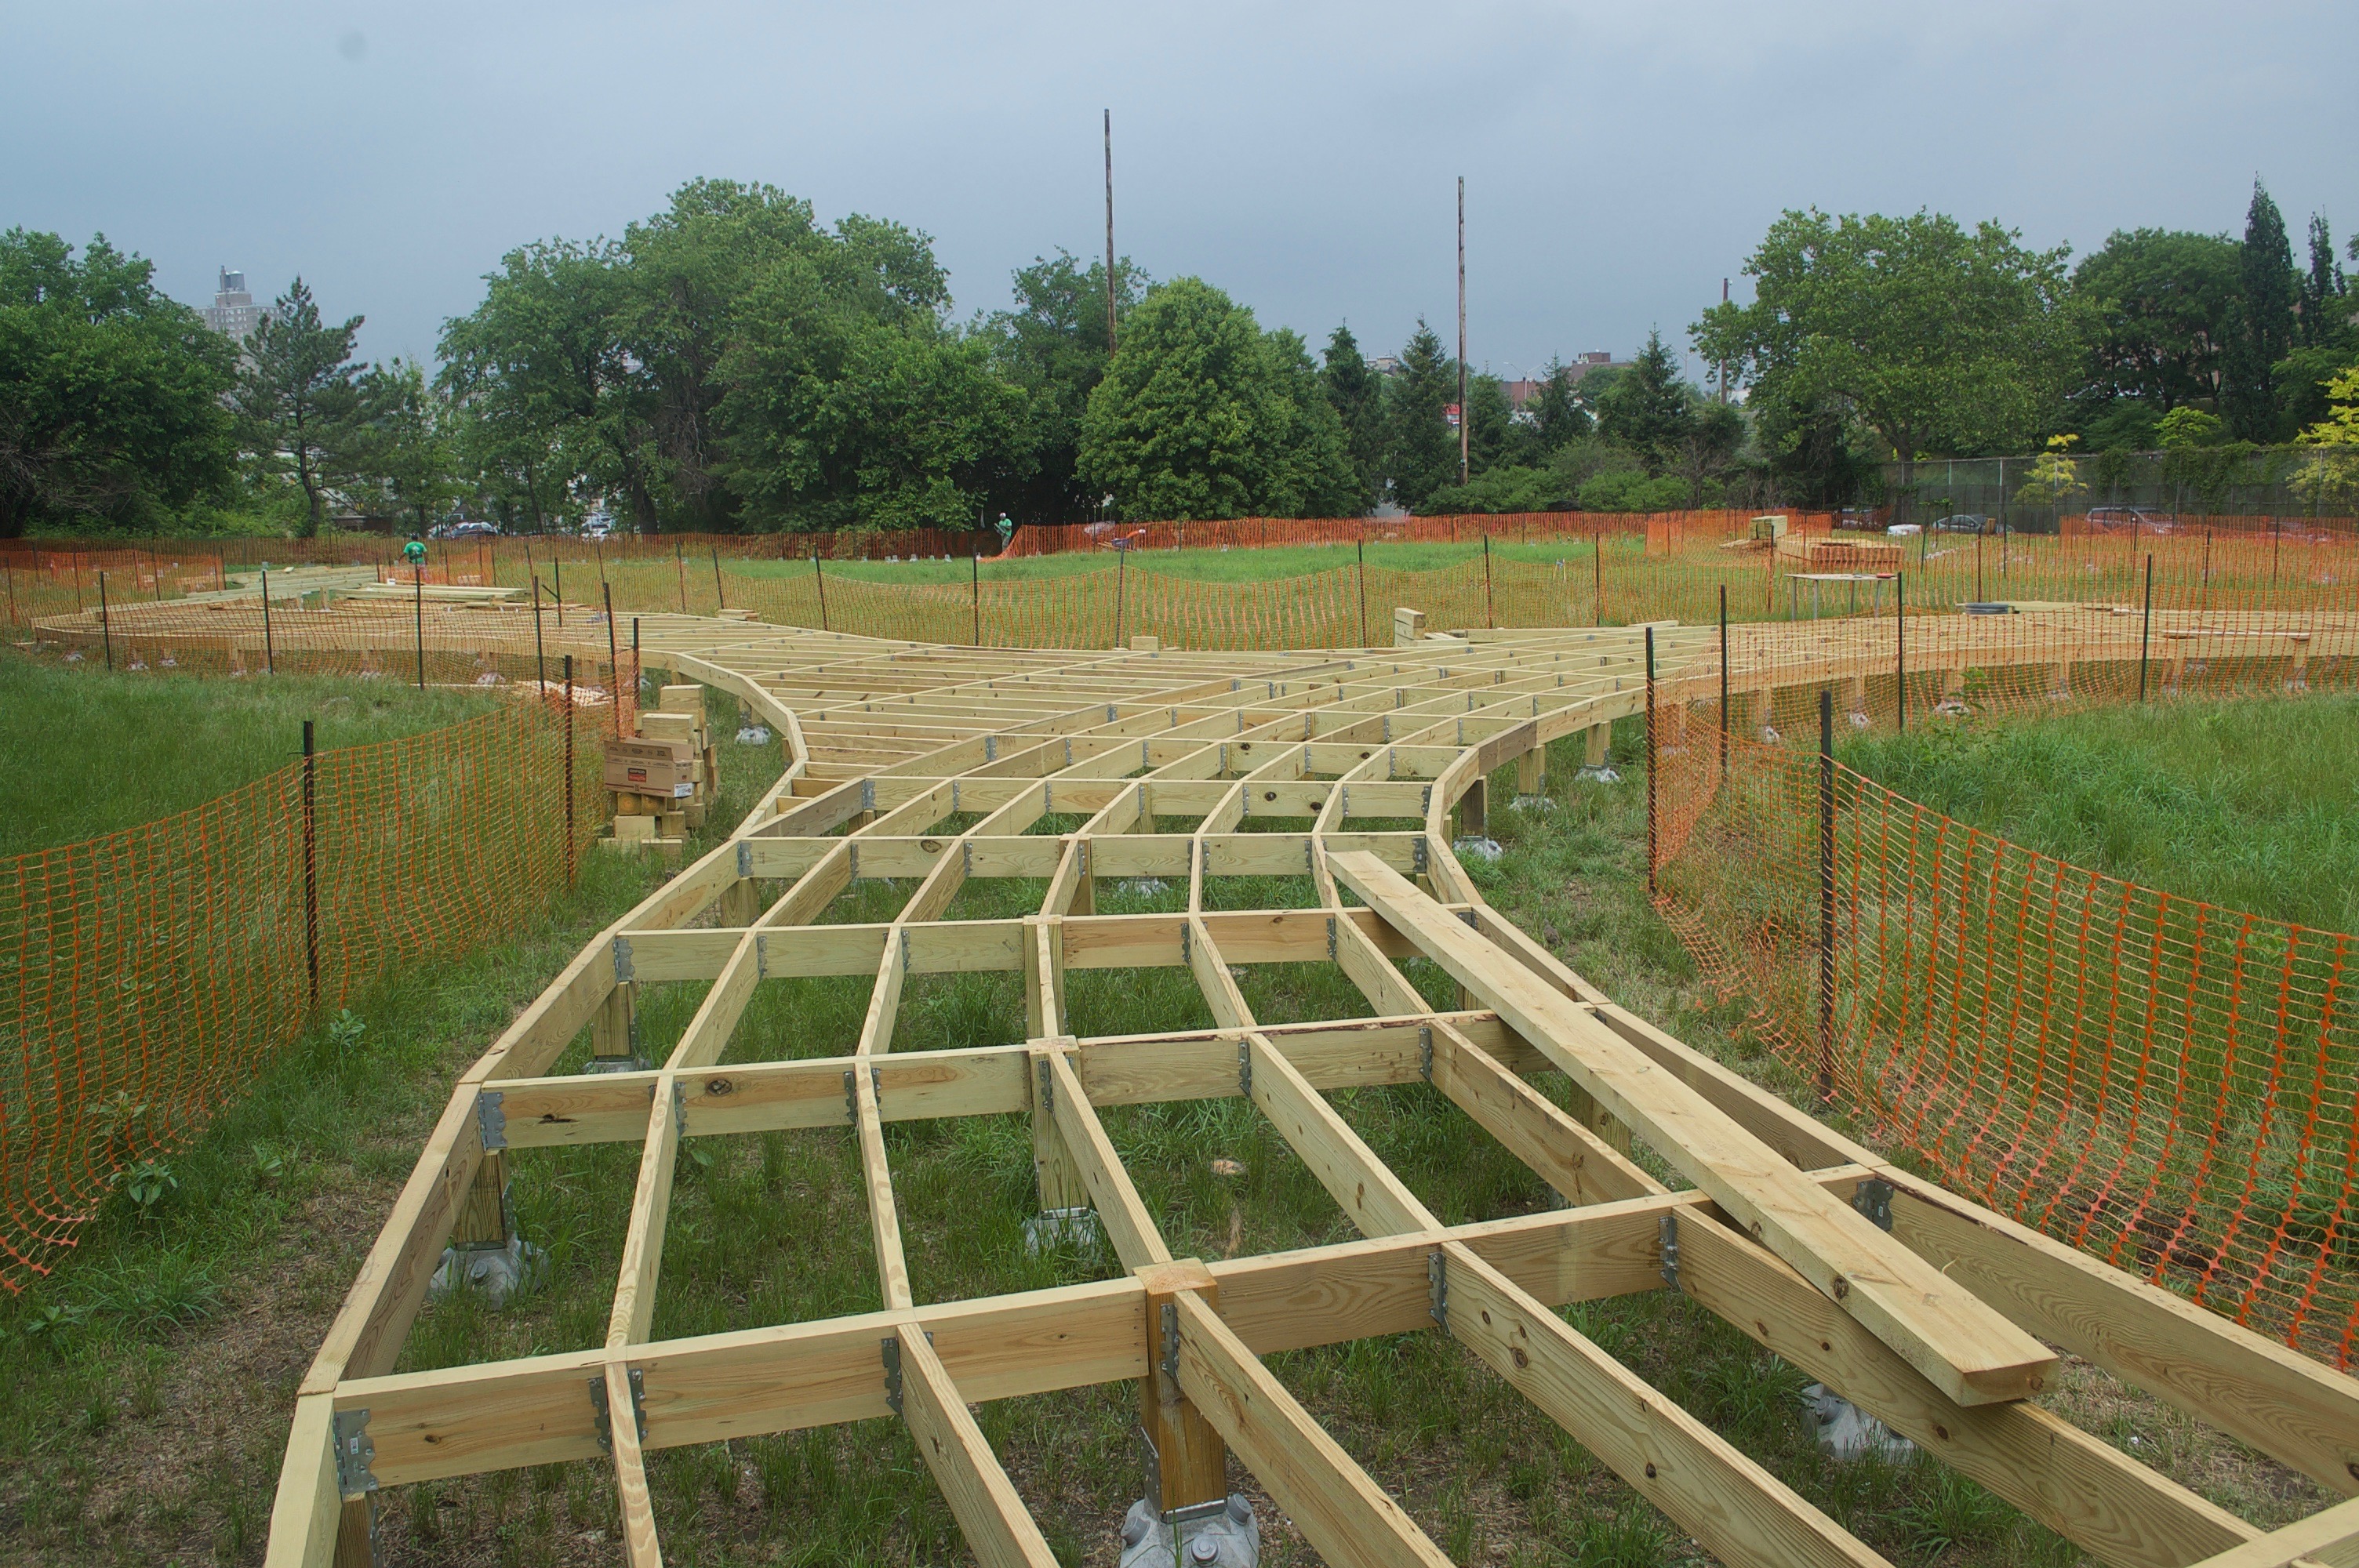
(414, 552)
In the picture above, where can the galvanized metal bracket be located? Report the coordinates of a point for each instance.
(1171, 1362)
(1873, 1197)
(491, 1121)
(622, 960)
(867, 795)
(1331, 934)
(1670, 1229)
(1425, 1052)
(1436, 1283)
(598, 1403)
(851, 1098)
(1245, 1068)
(1047, 1086)
(1420, 852)
(355, 1453)
(745, 858)
(991, 748)
(893, 1373)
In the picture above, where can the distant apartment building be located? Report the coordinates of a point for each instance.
(233, 314)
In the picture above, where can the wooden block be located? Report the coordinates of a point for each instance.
(634, 829)
(688, 699)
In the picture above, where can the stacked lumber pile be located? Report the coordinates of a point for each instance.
(663, 779)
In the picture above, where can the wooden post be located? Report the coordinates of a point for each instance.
(1473, 815)
(1531, 771)
(1057, 1175)
(1191, 1462)
(1599, 740)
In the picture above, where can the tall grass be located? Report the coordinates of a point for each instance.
(91, 753)
(2248, 805)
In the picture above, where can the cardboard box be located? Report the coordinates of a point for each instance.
(651, 767)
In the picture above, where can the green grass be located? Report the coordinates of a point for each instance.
(2251, 806)
(92, 753)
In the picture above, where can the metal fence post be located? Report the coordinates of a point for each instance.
(1826, 893)
(539, 657)
(269, 656)
(1900, 649)
(1364, 589)
(1650, 763)
(1723, 684)
(974, 576)
(820, 577)
(720, 600)
(1490, 602)
(614, 661)
(418, 587)
(310, 864)
(1121, 566)
(569, 768)
(105, 621)
(2146, 625)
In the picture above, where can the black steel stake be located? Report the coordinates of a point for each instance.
(614, 660)
(418, 573)
(1900, 648)
(2146, 625)
(569, 768)
(1826, 893)
(310, 864)
(1650, 761)
(105, 624)
(1723, 684)
(270, 657)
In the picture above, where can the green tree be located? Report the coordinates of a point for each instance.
(297, 396)
(1357, 394)
(1649, 409)
(552, 394)
(838, 416)
(1557, 414)
(110, 394)
(1053, 346)
(1939, 338)
(401, 441)
(2325, 316)
(1202, 415)
(1489, 429)
(2264, 330)
(2162, 308)
(1420, 449)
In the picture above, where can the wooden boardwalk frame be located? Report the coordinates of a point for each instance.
(1925, 1310)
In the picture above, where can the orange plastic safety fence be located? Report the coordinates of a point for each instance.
(148, 978)
(2164, 1084)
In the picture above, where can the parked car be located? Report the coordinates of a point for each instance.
(474, 530)
(598, 528)
(1959, 523)
(2128, 520)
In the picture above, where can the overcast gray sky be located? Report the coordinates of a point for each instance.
(1620, 159)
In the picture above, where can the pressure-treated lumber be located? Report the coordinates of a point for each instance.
(1346, 1517)
(1969, 1351)
(982, 1498)
(1167, 758)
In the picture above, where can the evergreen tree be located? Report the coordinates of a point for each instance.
(1490, 431)
(1649, 409)
(297, 396)
(2324, 313)
(1420, 449)
(1357, 394)
(1558, 415)
(2264, 323)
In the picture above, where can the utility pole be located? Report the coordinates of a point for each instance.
(1110, 284)
(1462, 421)
(1723, 365)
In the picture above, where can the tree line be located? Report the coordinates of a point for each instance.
(731, 363)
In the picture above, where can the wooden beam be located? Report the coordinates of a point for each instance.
(1346, 1517)
(1374, 1199)
(1739, 1512)
(1564, 1154)
(640, 1544)
(1128, 1224)
(2329, 1539)
(983, 1499)
(2083, 1487)
(1968, 1350)
(303, 1513)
